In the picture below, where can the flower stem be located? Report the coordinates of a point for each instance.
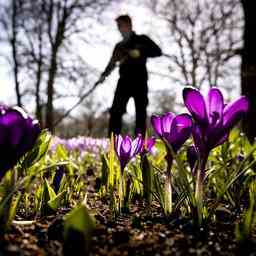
(168, 186)
(121, 191)
(125, 208)
(199, 189)
(124, 192)
(147, 177)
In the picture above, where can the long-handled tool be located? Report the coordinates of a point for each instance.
(77, 103)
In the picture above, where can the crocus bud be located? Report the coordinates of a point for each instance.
(18, 134)
(126, 148)
(174, 130)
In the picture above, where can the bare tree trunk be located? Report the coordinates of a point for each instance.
(14, 52)
(50, 91)
(248, 67)
(53, 69)
(38, 79)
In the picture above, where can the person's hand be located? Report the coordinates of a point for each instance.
(135, 53)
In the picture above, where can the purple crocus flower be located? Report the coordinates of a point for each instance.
(213, 119)
(126, 148)
(148, 145)
(18, 134)
(174, 130)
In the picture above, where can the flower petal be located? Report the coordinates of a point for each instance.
(199, 140)
(149, 143)
(118, 142)
(166, 120)
(215, 105)
(126, 145)
(3, 134)
(15, 125)
(136, 145)
(180, 130)
(195, 103)
(180, 122)
(157, 124)
(31, 132)
(234, 111)
(125, 150)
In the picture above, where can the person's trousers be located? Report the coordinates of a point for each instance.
(125, 90)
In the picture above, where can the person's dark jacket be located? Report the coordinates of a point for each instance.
(130, 67)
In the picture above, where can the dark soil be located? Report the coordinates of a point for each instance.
(141, 232)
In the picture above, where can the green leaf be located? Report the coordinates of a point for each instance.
(39, 150)
(147, 178)
(104, 171)
(80, 220)
(48, 194)
(61, 152)
(158, 191)
(13, 209)
(111, 164)
(8, 205)
(241, 169)
(161, 149)
(137, 182)
(78, 224)
(55, 203)
(244, 229)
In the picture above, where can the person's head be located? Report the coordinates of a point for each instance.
(124, 24)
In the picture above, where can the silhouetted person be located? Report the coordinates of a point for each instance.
(131, 54)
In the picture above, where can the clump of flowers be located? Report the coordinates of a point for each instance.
(18, 134)
(213, 121)
(82, 144)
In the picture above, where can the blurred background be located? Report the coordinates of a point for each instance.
(53, 51)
